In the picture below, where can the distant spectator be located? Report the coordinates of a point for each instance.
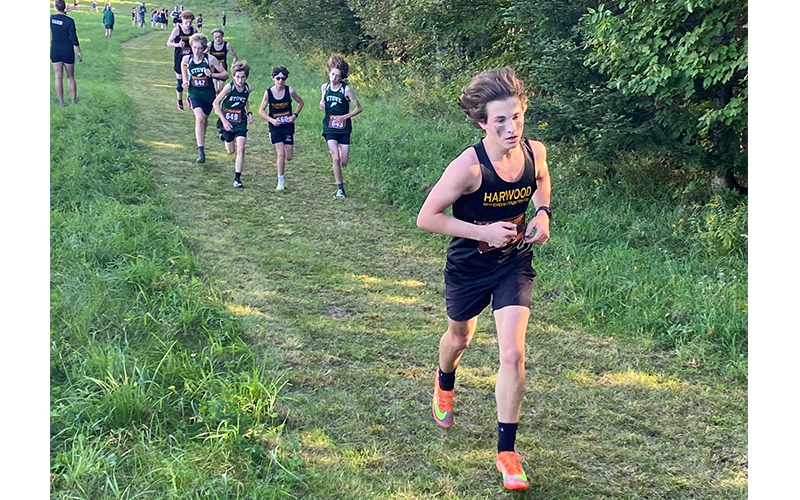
(108, 20)
(142, 13)
(62, 51)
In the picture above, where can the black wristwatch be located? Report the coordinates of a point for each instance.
(545, 209)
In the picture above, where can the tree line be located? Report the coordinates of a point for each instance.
(666, 78)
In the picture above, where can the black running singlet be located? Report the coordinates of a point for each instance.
(495, 200)
(281, 109)
(220, 54)
(185, 51)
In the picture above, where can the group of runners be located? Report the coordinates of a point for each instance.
(481, 199)
(201, 68)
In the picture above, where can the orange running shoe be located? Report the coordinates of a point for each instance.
(442, 405)
(513, 476)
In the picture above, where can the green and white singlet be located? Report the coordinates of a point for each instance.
(201, 87)
(336, 104)
(234, 108)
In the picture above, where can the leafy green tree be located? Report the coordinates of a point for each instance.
(689, 58)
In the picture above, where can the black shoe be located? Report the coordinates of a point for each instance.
(201, 159)
(238, 184)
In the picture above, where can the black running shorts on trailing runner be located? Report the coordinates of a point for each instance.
(513, 287)
(340, 138)
(282, 134)
(230, 136)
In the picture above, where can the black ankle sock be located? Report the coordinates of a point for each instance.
(237, 175)
(506, 436)
(202, 150)
(447, 381)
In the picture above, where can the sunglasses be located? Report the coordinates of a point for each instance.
(279, 77)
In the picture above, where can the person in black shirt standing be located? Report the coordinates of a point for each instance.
(62, 52)
(489, 187)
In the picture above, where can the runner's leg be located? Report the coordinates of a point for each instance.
(344, 154)
(511, 323)
(280, 161)
(58, 69)
(333, 146)
(240, 141)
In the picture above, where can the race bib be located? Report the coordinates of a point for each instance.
(199, 81)
(232, 115)
(334, 124)
(186, 51)
(283, 118)
(519, 220)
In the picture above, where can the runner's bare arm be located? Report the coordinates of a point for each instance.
(171, 40)
(539, 227)
(300, 103)
(233, 53)
(185, 71)
(218, 106)
(461, 177)
(262, 110)
(214, 64)
(351, 96)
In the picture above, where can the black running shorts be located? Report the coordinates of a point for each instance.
(340, 138)
(466, 298)
(206, 106)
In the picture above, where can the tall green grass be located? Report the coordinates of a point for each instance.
(153, 392)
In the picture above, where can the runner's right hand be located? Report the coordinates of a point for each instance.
(499, 234)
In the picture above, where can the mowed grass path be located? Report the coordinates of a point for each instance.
(345, 299)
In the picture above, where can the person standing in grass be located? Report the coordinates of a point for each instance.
(179, 40)
(233, 109)
(336, 126)
(281, 119)
(224, 18)
(489, 187)
(219, 48)
(198, 70)
(200, 23)
(142, 12)
(63, 44)
(108, 21)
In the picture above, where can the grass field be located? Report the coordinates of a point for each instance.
(208, 342)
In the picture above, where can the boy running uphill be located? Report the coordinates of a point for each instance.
(278, 99)
(198, 70)
(336, 126)
(489, 187)
(234, 112)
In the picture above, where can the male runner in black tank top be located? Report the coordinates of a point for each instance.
(179, 40)
(219, 48)
(278, 112)
(490, 186)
